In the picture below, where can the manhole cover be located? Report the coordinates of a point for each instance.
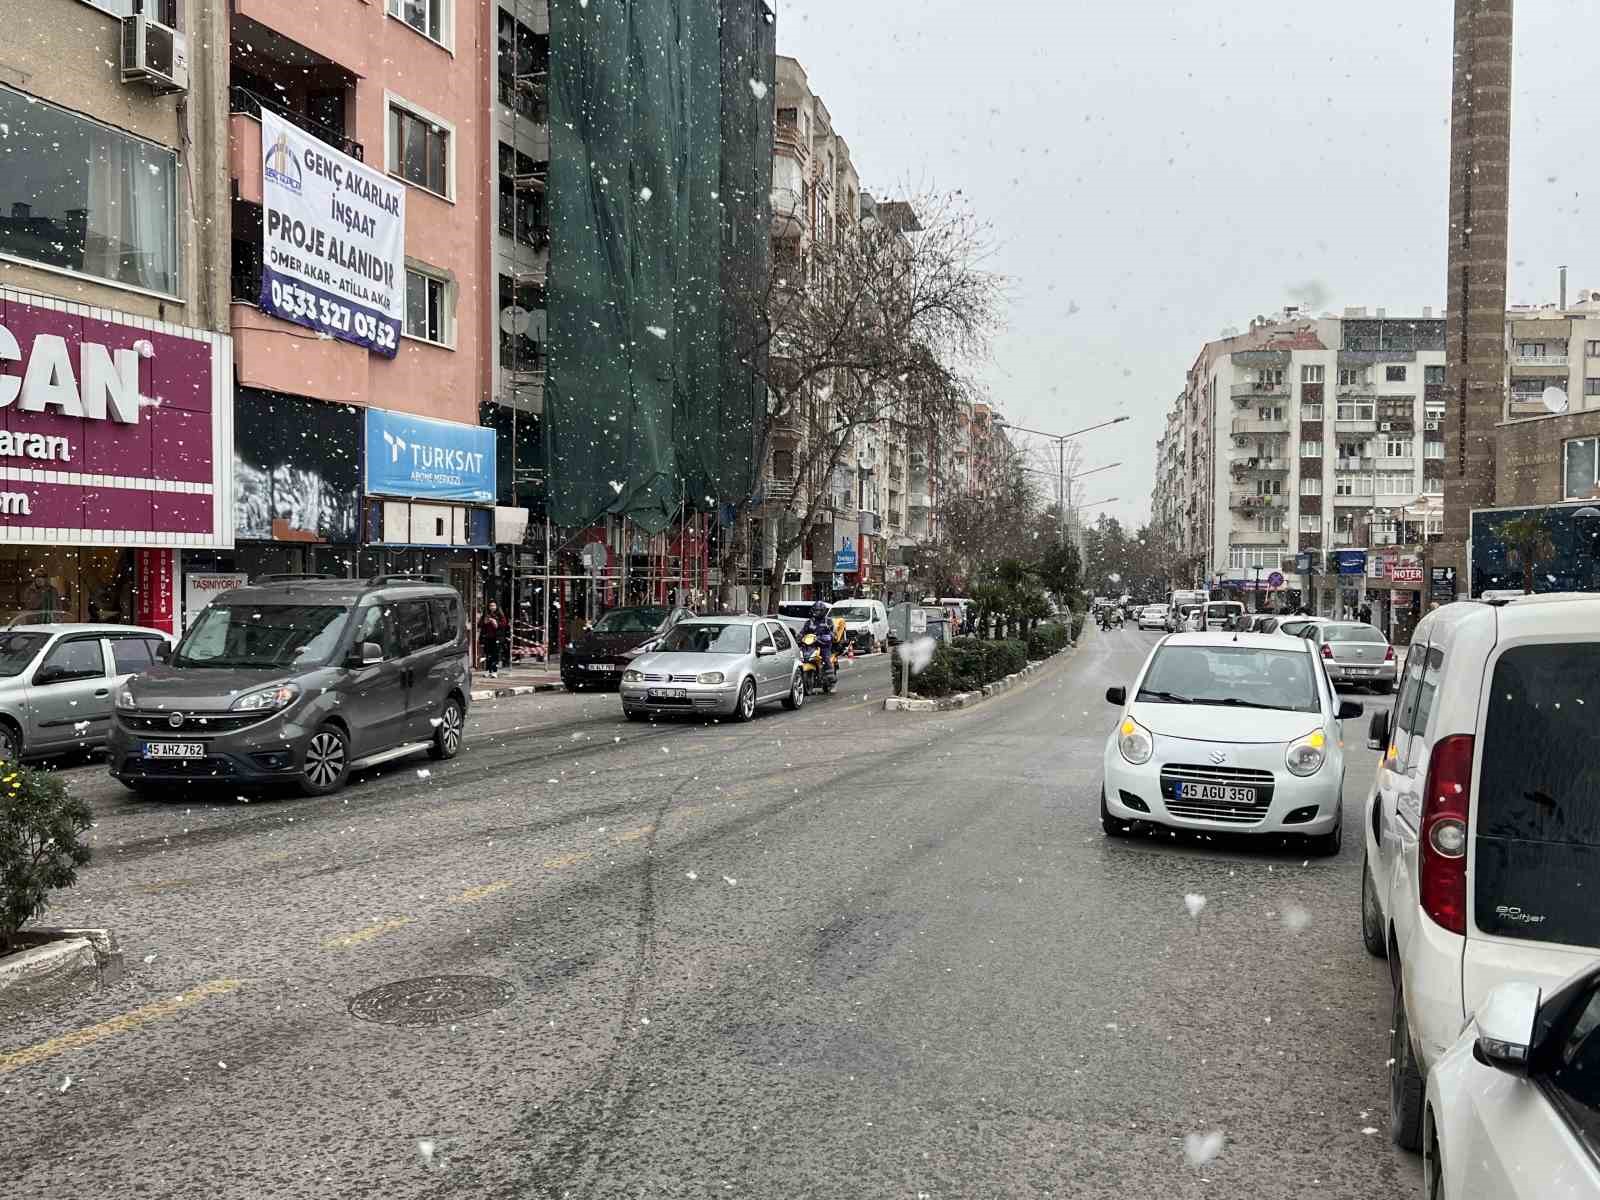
(432, 1000)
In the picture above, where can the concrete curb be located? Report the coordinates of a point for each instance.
(968, 699)
(64, 963)
(501, 693)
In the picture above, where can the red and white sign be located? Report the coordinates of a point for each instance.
(152, 572)
(1406, 574)
(115, 430)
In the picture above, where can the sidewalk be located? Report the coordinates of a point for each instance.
(522, 680)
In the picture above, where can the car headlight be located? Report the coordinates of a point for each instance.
(1306, 756)
(709, 677)
(125, 697)
(1135, 742)
(267, 699)
(631, 676)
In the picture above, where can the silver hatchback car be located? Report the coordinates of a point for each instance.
(727, 666)
(57, 681)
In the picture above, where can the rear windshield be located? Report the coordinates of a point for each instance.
(1353, 633)
(1234, 676)
(1538, 798)
(1223, 610)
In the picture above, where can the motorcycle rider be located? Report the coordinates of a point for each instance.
(823, 628)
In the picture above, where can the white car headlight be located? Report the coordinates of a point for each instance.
(1306, 756)
(1135, 742)
(267, 699)
(632, 676)
(709, 677)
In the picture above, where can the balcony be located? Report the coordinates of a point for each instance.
(290, 33)
(244, 139)
(1252, 501)
(279, 357)
(919, 500)
(1260, 465)
(1539, 360)
(1354, 464)
(1356, 390)
(1251, 426)
(1358, 501)
(780, 490)
(1397, 464)
(1256, 537)
(788, 139)
(1258, 390)
(788, 213)
(1355, 426)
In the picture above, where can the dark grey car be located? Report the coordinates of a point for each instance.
(300, 680)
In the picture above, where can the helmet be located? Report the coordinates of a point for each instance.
(819, 610)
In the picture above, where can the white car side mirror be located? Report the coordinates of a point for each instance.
(1504, 1023)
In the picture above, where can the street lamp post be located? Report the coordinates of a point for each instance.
(1061, 440)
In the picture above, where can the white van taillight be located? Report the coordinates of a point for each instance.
(1446, 807)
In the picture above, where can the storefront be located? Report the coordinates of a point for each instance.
(116, 438)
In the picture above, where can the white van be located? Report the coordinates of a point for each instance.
(1220, 612)
(1482, 834)
(866, 623)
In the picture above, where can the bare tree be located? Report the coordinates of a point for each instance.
(877, 328)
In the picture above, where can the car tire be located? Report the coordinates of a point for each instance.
(744, 708)
(571, 688)
(797, 692)
(1327, 845)
(1372, 935)
(327, 762)
(10, 743)
(1112, 826)
(447, 735)
(1406, 1086)
(1432, 1164)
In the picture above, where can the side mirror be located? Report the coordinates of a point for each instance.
(766, 651)
(163, 651)
(1504, 1022)
(1378, 730)
(1350, 709)
(1117, 696)
(366, 654)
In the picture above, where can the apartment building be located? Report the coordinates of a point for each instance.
(116, 364)
(360, 236)
(1548, 440)
(1304, 461)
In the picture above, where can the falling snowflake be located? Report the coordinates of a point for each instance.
(1195, 903)
(1295, 918)
(425, 1146)
(645, 194)
(656, 331)
(615, 486)
(730, 881)
(691, 875)
(423, 772)
(66, 1082)
(758, 89)
(1201, 1148)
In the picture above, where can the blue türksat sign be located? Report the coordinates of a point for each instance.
(844, 558)
(425, 459)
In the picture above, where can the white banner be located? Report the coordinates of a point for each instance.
(333, 240)
(200, 588)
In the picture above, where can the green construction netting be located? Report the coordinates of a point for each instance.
(639, 386)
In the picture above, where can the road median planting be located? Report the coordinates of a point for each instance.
(966, 671)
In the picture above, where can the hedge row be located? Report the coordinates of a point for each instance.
(1078, 618)
(1047, 639)
(966, 664)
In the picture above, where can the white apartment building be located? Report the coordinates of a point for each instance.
(1303, 437)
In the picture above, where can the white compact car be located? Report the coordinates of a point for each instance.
(1153, 616)
(1228, 733)
(1482, 834)
(1513, 1108)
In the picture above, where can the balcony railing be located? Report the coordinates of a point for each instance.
(918, 500)
(1257, 537)
(1539, 360)
(1357, 389)
(1259, 388)
(1344, 425)
(1247, 426)
(1252, 501)
(1243, 465)
(780, 489)
(1396, 464)
(242, 100)
(788, 137)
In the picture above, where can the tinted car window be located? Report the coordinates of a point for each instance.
(17, 651)
(1538, 797)
(79, 659)
(132, 655)
(1576, 1073)
(376, 624)
(446, 620)
(1246, 676)
(415, 623)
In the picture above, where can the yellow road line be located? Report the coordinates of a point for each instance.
(120, 1024)
(567, 860)
(472, 895)
(367, 934)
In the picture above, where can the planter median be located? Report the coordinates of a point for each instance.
(56, 963)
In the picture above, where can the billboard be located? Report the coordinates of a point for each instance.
(424, 459)
(333, 240)
(1566, 563)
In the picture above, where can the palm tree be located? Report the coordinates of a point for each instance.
(1527, 540)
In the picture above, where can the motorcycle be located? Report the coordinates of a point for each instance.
(818, 669)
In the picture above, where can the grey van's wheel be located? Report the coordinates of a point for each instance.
(745, 707)
(447, 734)
(327, 763)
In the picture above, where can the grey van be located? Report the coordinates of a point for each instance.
(302, 680)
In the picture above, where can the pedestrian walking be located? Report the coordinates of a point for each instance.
(491, 626)
(1365, 614)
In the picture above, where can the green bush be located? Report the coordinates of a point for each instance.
(964, 665)
(1046, 639)
(1078, 619)
(40, 846)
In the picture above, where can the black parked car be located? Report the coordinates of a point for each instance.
(602, 652)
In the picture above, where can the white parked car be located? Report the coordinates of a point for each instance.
(1220, 612)
(866, 623)
(1482, 835)
(1228, 733)
(1153, 616)
(1513, 1108)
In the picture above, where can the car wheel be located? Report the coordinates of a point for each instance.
(327, 763)
(10, 743)
(797, 692)
(745, 707)
(1371, 914)
(1432, 1165)
(1405, 1079)
(1328, 844)
(447, 735)
(1113, 826)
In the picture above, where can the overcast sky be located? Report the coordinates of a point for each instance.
(1159, 171)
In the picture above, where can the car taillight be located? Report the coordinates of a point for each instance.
(1446, 807)
(1388, 655)
(1327, 650)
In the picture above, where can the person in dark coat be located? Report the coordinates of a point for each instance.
(491, 628)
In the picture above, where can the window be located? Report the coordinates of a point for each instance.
(1432, 374)
(1530, 349)
(1582, 471)
(132, 655)
(1395, 483)
(430, 18)
(1355, 412)
(1248, 558)
(1351, 450)
(427, 308)
(1433, 449)
(1434, 412)
(1311, 412)
(1394, 374)
(1269, 523)
(1591, 349)
(1269, 487)
(522, 333)
(1311, 485)
(78, 659)
(780, 634)
(1433, 485)
(764, 641)
(524, 67)
(1396, 447)
(419, 150)
(414, 622)
(1269, 412)
(377, 625)
(523, 183)
(164, 11)
(1352, 376)
(446, 620)
(79, 196)
(1591, 386)
(1310, 522)
(1311, 374)
(1310, 449)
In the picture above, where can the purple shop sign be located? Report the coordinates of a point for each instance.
(115, 429)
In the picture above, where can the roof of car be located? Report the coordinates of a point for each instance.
(1221, 637)
(329, 590)
(85, 627)
(729, 619)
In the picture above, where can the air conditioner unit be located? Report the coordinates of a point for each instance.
(154, 54)
(1433, 425)
(1385, 426)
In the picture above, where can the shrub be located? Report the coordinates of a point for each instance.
(1078, 619)
(40, 846)
(1046, 639)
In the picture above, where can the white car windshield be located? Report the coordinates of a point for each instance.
(848, 612)
(1231, 676)
(704, 637)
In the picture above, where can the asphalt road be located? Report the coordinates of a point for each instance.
(834, 953)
